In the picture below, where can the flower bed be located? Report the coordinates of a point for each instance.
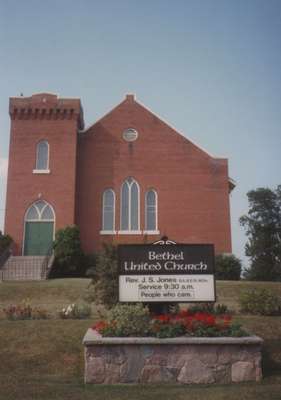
(24, 311)
(132, 346)
(184, 323)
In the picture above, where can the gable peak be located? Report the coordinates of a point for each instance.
(130, 97)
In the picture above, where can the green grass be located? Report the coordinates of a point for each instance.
(51, 294)
(228, 292)
(44, 359)
(56, 293)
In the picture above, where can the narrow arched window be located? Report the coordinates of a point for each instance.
(130, 205)
(108, 210)
(151, 210)
(42, 155)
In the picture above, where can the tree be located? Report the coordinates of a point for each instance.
(228, 267)
(263, 228)
(105, 277)
(69, 257)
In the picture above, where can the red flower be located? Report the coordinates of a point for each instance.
(226, 320)
(99, 326)
(162, 318)
(183, 314)
(210, 320)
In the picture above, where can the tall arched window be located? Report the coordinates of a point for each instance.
(108, 210)
(42, 156)
(130, 205)
(151, 210)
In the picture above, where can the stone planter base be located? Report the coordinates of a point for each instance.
(178, 360)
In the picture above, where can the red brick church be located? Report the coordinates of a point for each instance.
(128, 178)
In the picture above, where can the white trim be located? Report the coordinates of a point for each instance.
(129, 204)
(40, 220)
(48, 159)
(156, 210)
(129, 232)
(151, 232)
(131, 130)
(121, 203)
(108, 232)
(41, 171)
(114, 202)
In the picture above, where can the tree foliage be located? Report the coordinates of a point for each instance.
(69, 257)
(228, 267)
(5, 242)
(263, 228)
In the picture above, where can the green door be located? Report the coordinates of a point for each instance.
(38, 238)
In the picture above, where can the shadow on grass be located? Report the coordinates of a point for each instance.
(271, 357)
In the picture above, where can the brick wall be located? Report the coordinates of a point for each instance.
(42, 116)
(192, 187)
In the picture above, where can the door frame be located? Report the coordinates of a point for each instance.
(39, 220)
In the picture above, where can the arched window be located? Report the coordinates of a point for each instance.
(40, 211)
(130, 205)
(42, 156)
(151, 210)
(108, 210)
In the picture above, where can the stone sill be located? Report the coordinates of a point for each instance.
(41, 171)
(92, 338)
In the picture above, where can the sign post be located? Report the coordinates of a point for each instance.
(166, 273)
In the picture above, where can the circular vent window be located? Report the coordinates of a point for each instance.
(130, 135)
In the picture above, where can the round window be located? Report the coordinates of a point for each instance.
(130, 135)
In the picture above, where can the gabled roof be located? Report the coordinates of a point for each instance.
(131, 98)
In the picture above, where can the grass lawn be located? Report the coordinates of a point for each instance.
(44, 359)
(51, 294)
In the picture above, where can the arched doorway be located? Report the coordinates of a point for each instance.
(38, 229)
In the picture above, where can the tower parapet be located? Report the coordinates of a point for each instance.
(46, 106)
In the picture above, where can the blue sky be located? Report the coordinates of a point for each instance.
(211, 68)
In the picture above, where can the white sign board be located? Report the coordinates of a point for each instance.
(166, 273)
(175, 288)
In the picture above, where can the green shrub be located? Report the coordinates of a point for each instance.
(216, 309)
(129, 320)
(221, 309)
(105, 279)
(69, 257)
(75, 311)
(162, 331)
(5, 242)
(260, 302)
(228, 267)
